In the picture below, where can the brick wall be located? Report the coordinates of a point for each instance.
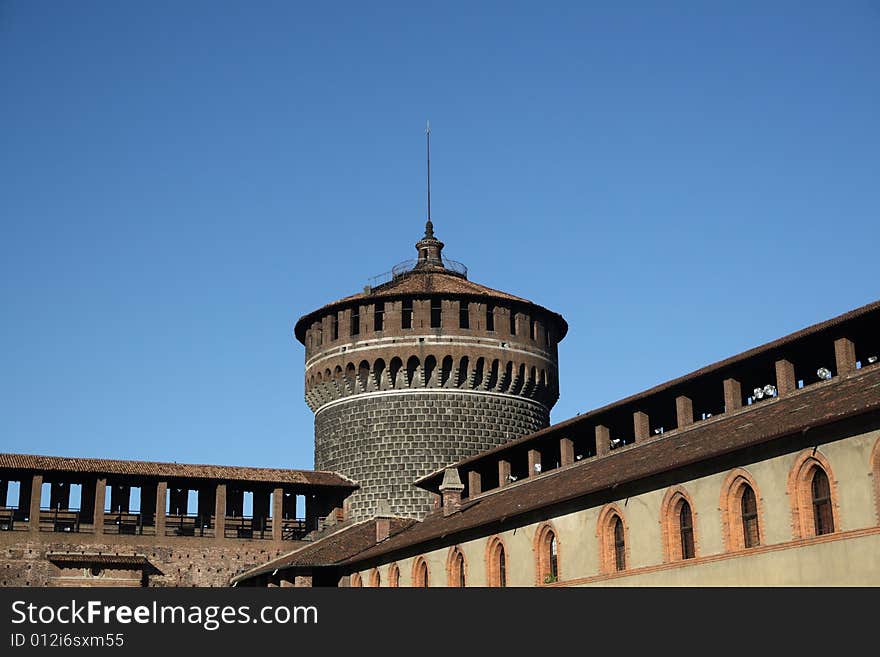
(387, 441)
(177, 562)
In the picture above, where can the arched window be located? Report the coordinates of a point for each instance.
(502, 568)
(393, 576)
(420, 574)
(356, 581)
(749, 509)
(686, 530)
(740, 511)
(813, 495)
(678, 523)
(455, 569)
(496, 562)
(547, 555)
(611, 532)
(823, 519)
(619, 545)
(375, 578)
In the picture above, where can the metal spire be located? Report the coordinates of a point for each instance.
(429, 226)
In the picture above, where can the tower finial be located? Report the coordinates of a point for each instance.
(429, 226)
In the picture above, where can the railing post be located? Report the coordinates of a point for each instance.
(732, 395)
(844, 355)
(36, 494)
(277, 524)
(641, 426)
(220, 511)
(100, 501)
(161, 498)
(684, 411)
(785, 381)
(603, 440)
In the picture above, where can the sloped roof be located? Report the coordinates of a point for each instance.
(330, 550)
(172, 470)
(100, 558)
(425, 282)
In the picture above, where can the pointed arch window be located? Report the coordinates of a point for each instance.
(496, 562)
(619, 545)
(455, 569)
(420, 574)
(749, 508)
(820, 488)
(686, 530)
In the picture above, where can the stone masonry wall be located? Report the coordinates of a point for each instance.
(177, 562)
(388, 440)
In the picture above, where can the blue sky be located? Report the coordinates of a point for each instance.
(179, 182)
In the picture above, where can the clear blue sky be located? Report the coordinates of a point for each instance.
(180, 181)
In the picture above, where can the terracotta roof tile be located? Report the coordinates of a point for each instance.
(87, 558)
(332, 549)
(425, 283)
(172, 470)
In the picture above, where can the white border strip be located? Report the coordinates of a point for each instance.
(433, 340)
(418, 391)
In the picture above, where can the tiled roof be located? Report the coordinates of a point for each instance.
(819, 404)
(332, 549)
(87, 558)
(425, 283)
(172, 470)
(432, 480)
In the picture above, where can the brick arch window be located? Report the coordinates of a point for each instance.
(375, 578)
(546, 550)
(741, 514)
(812, 492)
(496, 562)
(393, 576)
(456, 569)
(611, 531)
(356, 581)
(678, 522)
(820, 491)
(420, 577)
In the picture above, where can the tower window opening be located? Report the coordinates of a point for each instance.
(355, 321)
(435, 313)
(533, 329)
(406, 315)
(379, 316)
(334, 326)
(512, 322)
(464, 320)
(490, 317)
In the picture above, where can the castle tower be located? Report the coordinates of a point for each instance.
(422, 371)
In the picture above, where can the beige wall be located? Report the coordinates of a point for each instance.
(850, 556)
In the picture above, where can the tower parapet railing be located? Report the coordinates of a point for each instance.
(405, 267)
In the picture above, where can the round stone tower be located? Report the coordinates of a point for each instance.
(423, 370)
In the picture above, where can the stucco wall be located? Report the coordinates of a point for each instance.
(849, 556)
